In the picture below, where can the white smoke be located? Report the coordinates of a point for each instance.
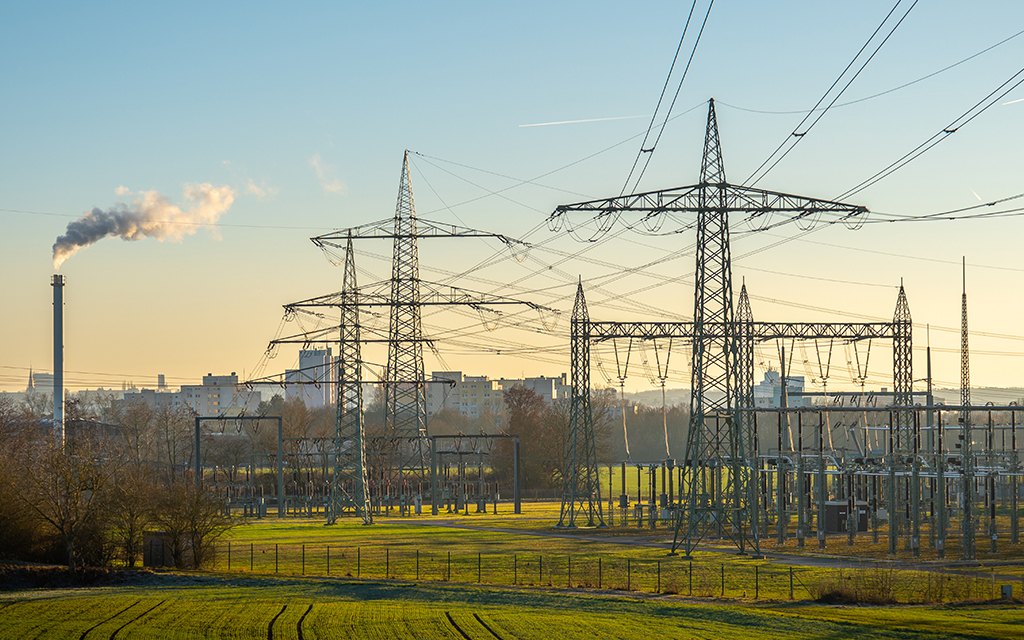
(149, 215)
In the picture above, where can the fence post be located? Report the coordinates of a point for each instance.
(540, 569)
(659, 577)
(449, 576)
(791, 583)
(417, 564)
(387, 563)
(599, 573)
(303, 559)
(515, 569)
(359, 560)
(723, 579)
(328, 560)
(275, 557)
(757, 583)
(691, 576)
(252, 555)
(569, 565)
(629, 575)
(229, 556)
(479, 578)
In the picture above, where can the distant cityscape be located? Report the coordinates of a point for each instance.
(468, 395)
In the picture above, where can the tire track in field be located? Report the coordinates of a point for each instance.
(270, 627)
(33, 628)
(298, 625)
(136, 618)
(457, 627)
(86, 632)
(486, 626)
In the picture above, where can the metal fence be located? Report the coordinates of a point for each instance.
(670, 575)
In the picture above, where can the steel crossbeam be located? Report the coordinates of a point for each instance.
(759, 331)
(719, 490)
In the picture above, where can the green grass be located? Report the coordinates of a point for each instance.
(245, 607)
(429, 550)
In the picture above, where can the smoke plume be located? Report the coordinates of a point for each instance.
(149, 215)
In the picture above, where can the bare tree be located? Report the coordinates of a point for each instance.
(174, 436)
(130, 509)
(192, 520)
(63, 485)
(136, 419)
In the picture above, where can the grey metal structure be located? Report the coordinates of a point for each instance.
(581, 484)
(349, 491)
(404, 451)
(967, 525)
(197, 455)
(719, 492)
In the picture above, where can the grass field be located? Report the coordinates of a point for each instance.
(232, 606)
(528, 552)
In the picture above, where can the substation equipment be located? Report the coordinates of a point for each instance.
(729, 485)
(393, 471)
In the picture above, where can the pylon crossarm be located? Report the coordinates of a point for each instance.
(693, 199)
(385, 230)
(758, 331)
(430, 294)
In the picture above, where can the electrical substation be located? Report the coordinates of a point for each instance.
(866, 466)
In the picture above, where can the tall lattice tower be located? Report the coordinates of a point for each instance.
(904, 438)
(714, 496)
(581, 486)
(719, 491)
(348, 490)
(747, 422)
(405, 397)
(967, 544)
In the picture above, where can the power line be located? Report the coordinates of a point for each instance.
(881, 93)
(964, 119)
(796, 136)
(654, 116)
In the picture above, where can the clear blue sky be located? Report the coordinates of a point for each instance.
(304, 111)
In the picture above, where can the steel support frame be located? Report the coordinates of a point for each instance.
(581, 485)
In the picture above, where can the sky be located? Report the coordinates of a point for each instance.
(296, 118)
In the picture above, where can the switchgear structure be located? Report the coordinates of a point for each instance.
(719, 490)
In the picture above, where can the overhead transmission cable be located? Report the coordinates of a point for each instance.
(880, 93)
(654, 117)
(965, 118)
(797, 135)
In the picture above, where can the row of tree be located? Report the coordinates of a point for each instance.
(89, 500)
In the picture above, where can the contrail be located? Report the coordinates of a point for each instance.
(150, 215)
(1013, 101)
(547, 124)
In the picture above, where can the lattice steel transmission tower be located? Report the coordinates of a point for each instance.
(719, 490)
(581, 486)
(967, 544)
(348, 487)
(405, 405)
(905, 440)
(402, 452)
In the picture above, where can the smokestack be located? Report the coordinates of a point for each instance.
(58, 358)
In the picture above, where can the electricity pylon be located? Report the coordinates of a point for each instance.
(404, 447)
(348, 487)
(581, 486)
(719, 484)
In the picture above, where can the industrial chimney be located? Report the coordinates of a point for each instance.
(58, 359)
